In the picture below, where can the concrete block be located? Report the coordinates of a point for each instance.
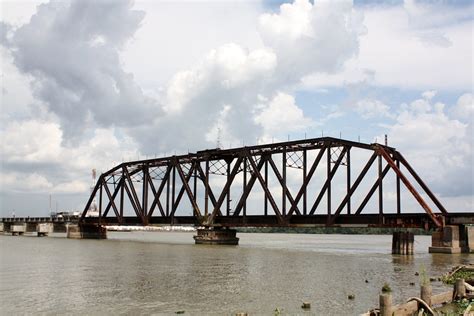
(18, 229)
(470, 239)
(43, 229)
(451, 236)
(446, 241)
(448, 250)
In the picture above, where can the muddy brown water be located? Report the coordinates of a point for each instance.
(160, 273)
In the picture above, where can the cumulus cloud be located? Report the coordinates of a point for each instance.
(406, 45)
(310, 38)
(281, 112)
(439, 146)
(71, 50)
(17, 182)
(464, 109)
(232, 79)
(33, 157)
(370, 108)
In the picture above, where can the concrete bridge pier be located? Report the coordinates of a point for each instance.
(216, 236)
(43, 229)
(18, 229)
(86, 231)
(453, 239)
(402, 243)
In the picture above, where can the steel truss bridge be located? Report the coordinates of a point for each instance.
(153, 190)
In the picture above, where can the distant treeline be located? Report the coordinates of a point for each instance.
(332, 230)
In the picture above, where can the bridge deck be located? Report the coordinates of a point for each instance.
(414, 220)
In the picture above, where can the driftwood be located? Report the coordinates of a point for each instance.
(419, 300)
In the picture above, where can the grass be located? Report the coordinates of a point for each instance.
(460, 274)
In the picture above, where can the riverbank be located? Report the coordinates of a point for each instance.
(457, 301)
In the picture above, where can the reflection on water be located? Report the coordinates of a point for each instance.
(161, 273)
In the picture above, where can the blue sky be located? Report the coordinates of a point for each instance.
(81, 92)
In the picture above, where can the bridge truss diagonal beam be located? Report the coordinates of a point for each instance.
(143, 186)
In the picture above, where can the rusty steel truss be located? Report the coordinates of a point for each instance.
(154, 188)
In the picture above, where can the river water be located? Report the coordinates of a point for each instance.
(160, 273)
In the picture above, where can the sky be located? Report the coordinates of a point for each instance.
(89, 84)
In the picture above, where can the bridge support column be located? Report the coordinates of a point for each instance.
(445, 240)
(86, 231)
(467, 238)
(216, 236)
(18, 229)
(402, 243)
(43, 229)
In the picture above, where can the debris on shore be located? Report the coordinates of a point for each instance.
(458, 301)
(465, 272)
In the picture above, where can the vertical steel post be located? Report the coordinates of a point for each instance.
(195, 188)
(283, 191)
(173, 193)
(145, 193)
(348, 165)
(168, 194)
(380, 186)
(265, 203)
(122, 183)
(244, 185)
(206, 192)
(305, 172)
(329, 178)
(100, 199)
(228, 190)
(399, 206)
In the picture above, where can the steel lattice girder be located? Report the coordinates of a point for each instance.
(185, 173)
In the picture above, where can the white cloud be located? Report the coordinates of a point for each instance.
(32, 155)
(228, 67)
(71, 52)
(438, 146)
(280, 115)
(31, 142)
(429, 94)
(410, 46)
(310, 38)
(395, 47)
(464, 109)
(369, 108)
(17, 182)
(175, 35)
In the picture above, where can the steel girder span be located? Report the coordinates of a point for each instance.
(303, 182)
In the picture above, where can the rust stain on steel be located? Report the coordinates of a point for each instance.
(410, 187)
